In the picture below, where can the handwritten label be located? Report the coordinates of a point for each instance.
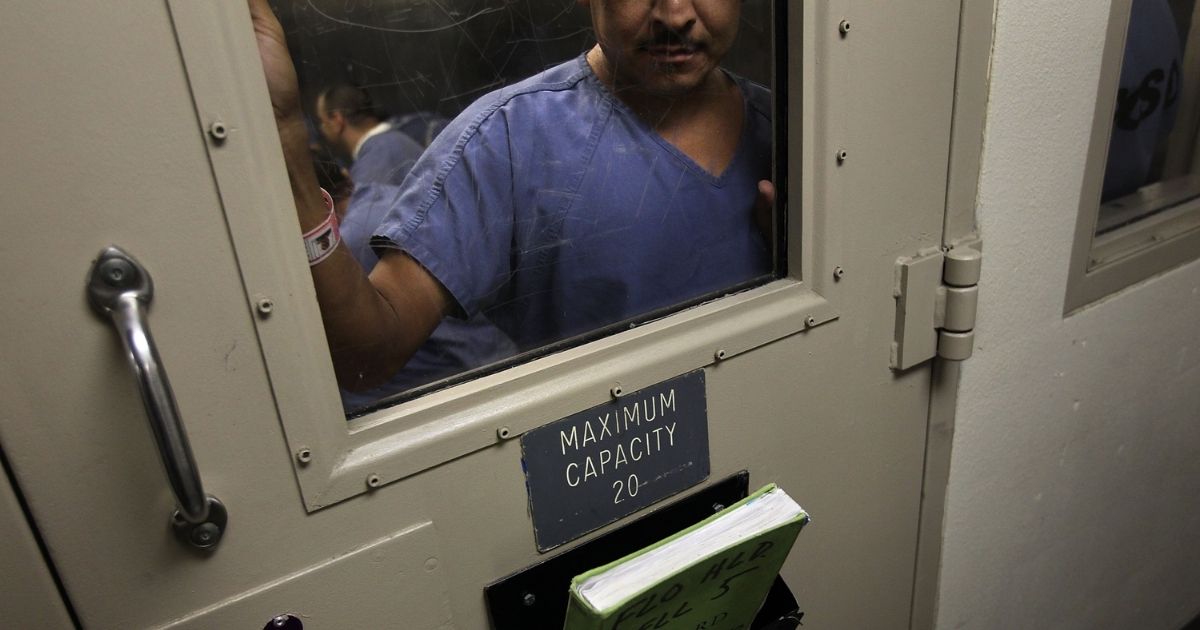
(594, 467)
(722, 593)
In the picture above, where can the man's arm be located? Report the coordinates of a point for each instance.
(373, 325)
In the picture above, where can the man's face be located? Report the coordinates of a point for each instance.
(665, 47)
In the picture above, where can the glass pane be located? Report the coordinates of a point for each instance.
(1150, 168)
(557, 190)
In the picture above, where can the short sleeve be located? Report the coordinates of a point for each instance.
(454, 215)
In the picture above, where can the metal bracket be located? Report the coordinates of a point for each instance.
(937, 294)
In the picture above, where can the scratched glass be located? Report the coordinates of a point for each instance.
(554, 208)
(1151, 170)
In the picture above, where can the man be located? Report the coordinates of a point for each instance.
(618, 183)
(355, 130)
(357, 134)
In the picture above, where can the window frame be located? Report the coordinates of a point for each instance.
(335, 459)
(1103, 265)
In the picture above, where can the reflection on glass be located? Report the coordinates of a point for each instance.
(1150, 167)
(553, 188)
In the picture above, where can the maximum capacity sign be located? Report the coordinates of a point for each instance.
(591, 468)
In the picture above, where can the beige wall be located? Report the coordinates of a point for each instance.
(1074, 495)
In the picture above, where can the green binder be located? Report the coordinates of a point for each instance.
(713, 575)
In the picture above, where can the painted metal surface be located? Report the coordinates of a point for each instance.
(917, 282)
(397, 581)
(28, 595)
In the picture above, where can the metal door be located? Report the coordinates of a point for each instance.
(147, 126)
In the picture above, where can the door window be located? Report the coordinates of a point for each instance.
(1150, 152)
(548, 193)
(1140, 208)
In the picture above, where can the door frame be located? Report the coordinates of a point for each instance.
(976, 33)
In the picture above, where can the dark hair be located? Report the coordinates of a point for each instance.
(352, 101)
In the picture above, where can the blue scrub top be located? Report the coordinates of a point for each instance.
(455, 345)
(552, 208)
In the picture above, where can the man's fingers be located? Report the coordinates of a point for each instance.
(276, 62)
(267, 28)
(766, 195)
(260, 9)
(763, 204)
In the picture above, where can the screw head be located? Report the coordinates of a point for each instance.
(529, 599)
(616, 391)
(842, 155)
(503, 433)
(810, 321)
(844, 27)
(205, 535)
(265, 306)
(218, 131)
(285, 621)
(838, 273)
(374, 481)
(304, 456)
(117, 273)
(720, 354)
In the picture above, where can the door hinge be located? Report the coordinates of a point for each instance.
(937, 294)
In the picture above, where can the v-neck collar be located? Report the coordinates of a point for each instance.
(743, 136)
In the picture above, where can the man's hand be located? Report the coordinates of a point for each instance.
(371, 332)
(277, 64)
(284, 90)
(763, 205)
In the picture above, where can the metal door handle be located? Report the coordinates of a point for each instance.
(120, 288)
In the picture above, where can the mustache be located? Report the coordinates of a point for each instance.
(667, 38)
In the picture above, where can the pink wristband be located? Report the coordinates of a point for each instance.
(320, 241)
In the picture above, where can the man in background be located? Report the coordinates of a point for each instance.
(356, 132)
